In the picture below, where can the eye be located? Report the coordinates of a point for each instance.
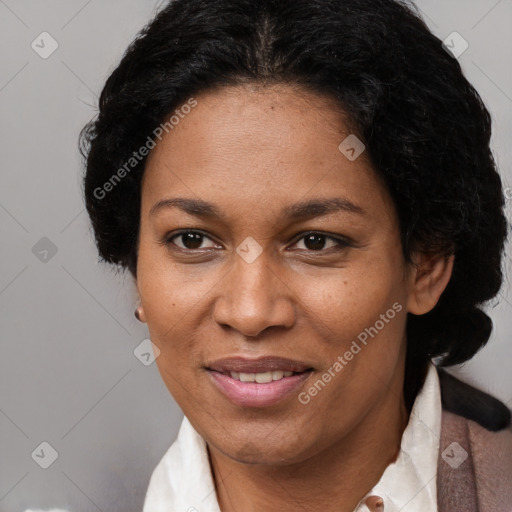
(314, 241)
(189, 240)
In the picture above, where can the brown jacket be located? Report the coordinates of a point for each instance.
(475, 455)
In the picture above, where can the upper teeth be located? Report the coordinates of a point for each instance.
(261, 378)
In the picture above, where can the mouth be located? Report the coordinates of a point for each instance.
(260, 377)
(258, 382)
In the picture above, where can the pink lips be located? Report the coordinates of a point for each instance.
(253, 394)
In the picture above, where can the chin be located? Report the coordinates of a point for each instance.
(253, 451)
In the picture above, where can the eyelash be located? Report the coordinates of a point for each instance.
(342, 243)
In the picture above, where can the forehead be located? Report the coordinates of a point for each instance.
(273, 143)
(277, 119)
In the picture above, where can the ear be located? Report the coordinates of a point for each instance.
(429, 276)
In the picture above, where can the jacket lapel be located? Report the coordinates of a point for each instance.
(456, 483)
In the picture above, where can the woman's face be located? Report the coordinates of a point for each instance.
(293, 264)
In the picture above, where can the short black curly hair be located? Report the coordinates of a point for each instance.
(425, 127)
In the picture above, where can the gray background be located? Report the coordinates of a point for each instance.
(68, 374)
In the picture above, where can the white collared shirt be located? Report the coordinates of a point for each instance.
(183, 482)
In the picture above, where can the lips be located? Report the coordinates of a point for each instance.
(258, 382)
(259, 365)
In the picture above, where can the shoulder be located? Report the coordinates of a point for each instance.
(475, 454)
(472, 403)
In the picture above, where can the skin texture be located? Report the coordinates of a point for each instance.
(253, 151)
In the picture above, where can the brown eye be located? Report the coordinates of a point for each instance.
(189, 240)
(318, 241)
(314, 242)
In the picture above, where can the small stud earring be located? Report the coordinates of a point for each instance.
(137, 311)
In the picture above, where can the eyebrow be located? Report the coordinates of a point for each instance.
(295, 212)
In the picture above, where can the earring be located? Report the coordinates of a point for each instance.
(137, 311)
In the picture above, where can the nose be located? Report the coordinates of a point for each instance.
(253, 296)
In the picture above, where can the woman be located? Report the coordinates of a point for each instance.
(304, 194)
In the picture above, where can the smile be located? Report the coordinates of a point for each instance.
(265, 381)
(260, 378)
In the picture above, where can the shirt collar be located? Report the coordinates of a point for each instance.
(409, 483)
(182, 481)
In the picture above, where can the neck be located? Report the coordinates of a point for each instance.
(335, 479)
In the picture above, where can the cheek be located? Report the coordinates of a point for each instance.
(169, 290)
(372, 316)
(360, 327)
(353, 299)
(360, 319)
